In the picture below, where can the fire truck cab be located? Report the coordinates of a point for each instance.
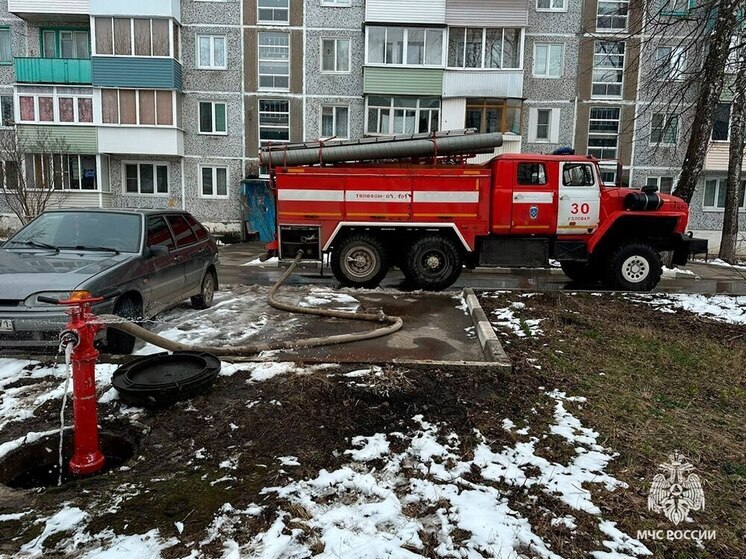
(517, 210)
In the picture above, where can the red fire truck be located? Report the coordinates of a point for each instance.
(415, 203)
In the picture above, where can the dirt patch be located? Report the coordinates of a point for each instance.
(655, 382)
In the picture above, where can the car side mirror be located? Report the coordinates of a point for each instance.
(159, 250)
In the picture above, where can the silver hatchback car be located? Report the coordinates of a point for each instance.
(141, 261)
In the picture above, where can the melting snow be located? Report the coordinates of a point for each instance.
(723, 308)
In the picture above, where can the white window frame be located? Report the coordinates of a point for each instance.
(272, 61)
(171, 24)
(553, 125)
(336, 40)
(334, 121)
(212, 65)
(46, 158)
(614, 135)
(174, 110)
(667, 119)
(462, 66)
(55, 95)
(272, 21)
(619, 3)
(155, 165)
(392, 108)
(720, 183)
(214, 169)
(283, 127)
(674, 62)
(4, 30)
(547, 75)
(620, 69)
(552, 7)
(213, 104)
(405, 47)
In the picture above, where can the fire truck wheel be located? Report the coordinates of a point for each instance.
(434, 263)
(634, 267)
(581, 272)
(360, 261)
(117, 342)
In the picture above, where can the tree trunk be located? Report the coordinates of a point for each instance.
(709, 95)
(735, 162)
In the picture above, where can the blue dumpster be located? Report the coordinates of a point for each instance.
(261, 205)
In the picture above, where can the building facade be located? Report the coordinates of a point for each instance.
(167, 102)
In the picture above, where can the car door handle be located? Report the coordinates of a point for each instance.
(178, 258)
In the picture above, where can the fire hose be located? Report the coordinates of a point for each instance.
(394, 323)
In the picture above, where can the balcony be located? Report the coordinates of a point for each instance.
(405, 11)
(137, 8)
(50, 10)
(483, 83)
(403, 81)
(70, 71)
(140, 140)
(717, 157)
(136, 72)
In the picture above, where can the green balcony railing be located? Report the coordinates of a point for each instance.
(53, 70)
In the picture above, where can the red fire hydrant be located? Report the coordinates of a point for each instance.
(81, 331)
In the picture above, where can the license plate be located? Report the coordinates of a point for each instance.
(6, 325)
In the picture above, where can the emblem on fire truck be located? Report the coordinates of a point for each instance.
(533, 211)
(673, 492)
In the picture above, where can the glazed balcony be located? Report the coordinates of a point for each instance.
(50, 10)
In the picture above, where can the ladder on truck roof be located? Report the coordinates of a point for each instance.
(438, 144)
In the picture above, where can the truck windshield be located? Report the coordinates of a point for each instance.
(69, 230)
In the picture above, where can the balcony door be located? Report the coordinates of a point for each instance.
(65, 43)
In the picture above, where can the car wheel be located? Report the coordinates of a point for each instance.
(117, 342)
(434, 262)
(360, 261)
(207, 292)
(634, 267)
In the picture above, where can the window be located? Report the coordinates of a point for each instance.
(608, 68)
(484, 48)
(61, 171)
(273, 11)
(6, 46)
(551, 6)
(274, 121)
(215, 182)
(182, 232)
(335, 55)
(159, 234)
(603, 132)
(531, 173)
(670, 63)
(714, 198)
(335, 122)
(211, 52)
(416, 46)
(402, 115)
(721, 124)
(664, 129)
(6, 110)
(577, 174)
(274, 61)
(494, 115)
(8, 175)
(136, 37)
(212, 118)
(145, 178)
(65, 43)
(662, 184)
(675, 7)
(57, 107)
(549, 60)
(612, 15)
(543, 117)
(200, 231)
(143, 107)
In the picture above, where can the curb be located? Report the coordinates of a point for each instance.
(491, 346)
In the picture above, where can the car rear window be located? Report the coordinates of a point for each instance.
(158, 233)
(200, 231)
(183, 233)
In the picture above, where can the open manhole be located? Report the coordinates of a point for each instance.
(36, 465)
(159, 380)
